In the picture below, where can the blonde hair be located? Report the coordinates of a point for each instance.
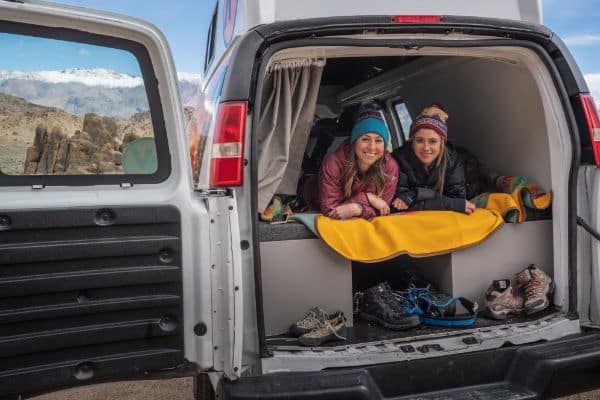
(439, 167)
(375, 172)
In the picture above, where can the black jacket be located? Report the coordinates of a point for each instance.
(415, 184)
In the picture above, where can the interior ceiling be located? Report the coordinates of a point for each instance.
(354, 70)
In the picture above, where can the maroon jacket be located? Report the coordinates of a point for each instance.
(331, 186)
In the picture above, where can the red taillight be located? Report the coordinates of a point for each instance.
(412, 19)
(593, 123)
(227, 158)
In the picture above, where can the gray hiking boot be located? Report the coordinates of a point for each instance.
(333, 329)
(538, 288)
(315, 317)
(502, 299)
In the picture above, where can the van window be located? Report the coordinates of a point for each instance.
(210, 40)
(404, 118)
(70, 108)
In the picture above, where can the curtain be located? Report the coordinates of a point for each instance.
(287, 112)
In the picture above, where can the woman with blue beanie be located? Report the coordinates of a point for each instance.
(359, 178)
(432, 173)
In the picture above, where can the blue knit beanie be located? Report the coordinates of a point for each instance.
(370, 121)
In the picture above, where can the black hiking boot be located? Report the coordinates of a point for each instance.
(380, 305)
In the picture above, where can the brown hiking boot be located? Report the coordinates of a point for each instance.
(538, 289)
(501, 299)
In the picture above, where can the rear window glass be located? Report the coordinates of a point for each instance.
(404, 118)
(70, 108)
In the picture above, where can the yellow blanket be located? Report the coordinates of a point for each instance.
(418, 233)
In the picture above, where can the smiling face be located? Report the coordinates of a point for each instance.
(368, 149)
(427, 145)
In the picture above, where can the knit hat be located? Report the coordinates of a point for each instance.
(370, 121)
(432, 117)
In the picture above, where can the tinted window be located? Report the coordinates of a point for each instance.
(210, 41)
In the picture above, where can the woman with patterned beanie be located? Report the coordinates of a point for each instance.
(359, 178)
(431, 172)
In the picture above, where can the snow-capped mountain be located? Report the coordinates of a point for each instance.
(186, 76)
(99, 90)
(89, 77)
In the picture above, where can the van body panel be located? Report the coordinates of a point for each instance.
(241, 81)
(378, 24)
(270, 11)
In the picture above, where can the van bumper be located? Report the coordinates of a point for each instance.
(566, 366)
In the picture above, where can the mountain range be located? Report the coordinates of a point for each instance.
(79, 91)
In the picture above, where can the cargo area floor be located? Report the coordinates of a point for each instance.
(365, 332)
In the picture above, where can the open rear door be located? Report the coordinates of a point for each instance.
(102, 236)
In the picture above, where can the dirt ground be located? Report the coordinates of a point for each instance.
(12, 155)
(167, 389)
(170, 389)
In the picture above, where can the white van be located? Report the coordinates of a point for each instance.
(131, 247)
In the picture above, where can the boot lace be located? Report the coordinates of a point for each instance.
(534, 288)
(326, 327)
(315, 314)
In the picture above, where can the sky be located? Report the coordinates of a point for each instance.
(185, 23)
(57, 54)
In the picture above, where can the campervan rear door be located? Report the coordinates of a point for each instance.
(105, 247)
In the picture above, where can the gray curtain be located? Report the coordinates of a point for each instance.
(288, 107)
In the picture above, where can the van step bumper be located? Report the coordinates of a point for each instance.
(558, 368)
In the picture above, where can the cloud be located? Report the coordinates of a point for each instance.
(582, 40)
(593, 82)
(186, 76)
(84, 52)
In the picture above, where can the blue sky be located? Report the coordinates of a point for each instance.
(577, 22)
(185, 24)
(56, 54)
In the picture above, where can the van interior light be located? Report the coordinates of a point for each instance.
(593, 123)
(417, 18)
(227, 156)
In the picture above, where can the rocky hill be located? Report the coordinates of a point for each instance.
(44, 140)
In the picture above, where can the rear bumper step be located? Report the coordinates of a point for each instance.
(560, 367)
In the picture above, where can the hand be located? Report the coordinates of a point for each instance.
(345, 211)
(469, 207)
(399, 204)
(379, 204)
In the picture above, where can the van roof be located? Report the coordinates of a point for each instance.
(258, 12)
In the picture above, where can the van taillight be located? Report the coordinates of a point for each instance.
(417, 18)
(593, 123)
(227, 158)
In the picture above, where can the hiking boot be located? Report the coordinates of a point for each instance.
(538, 288)
(379, 304)
(501, 300)
(315, 317)
(332, 329)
